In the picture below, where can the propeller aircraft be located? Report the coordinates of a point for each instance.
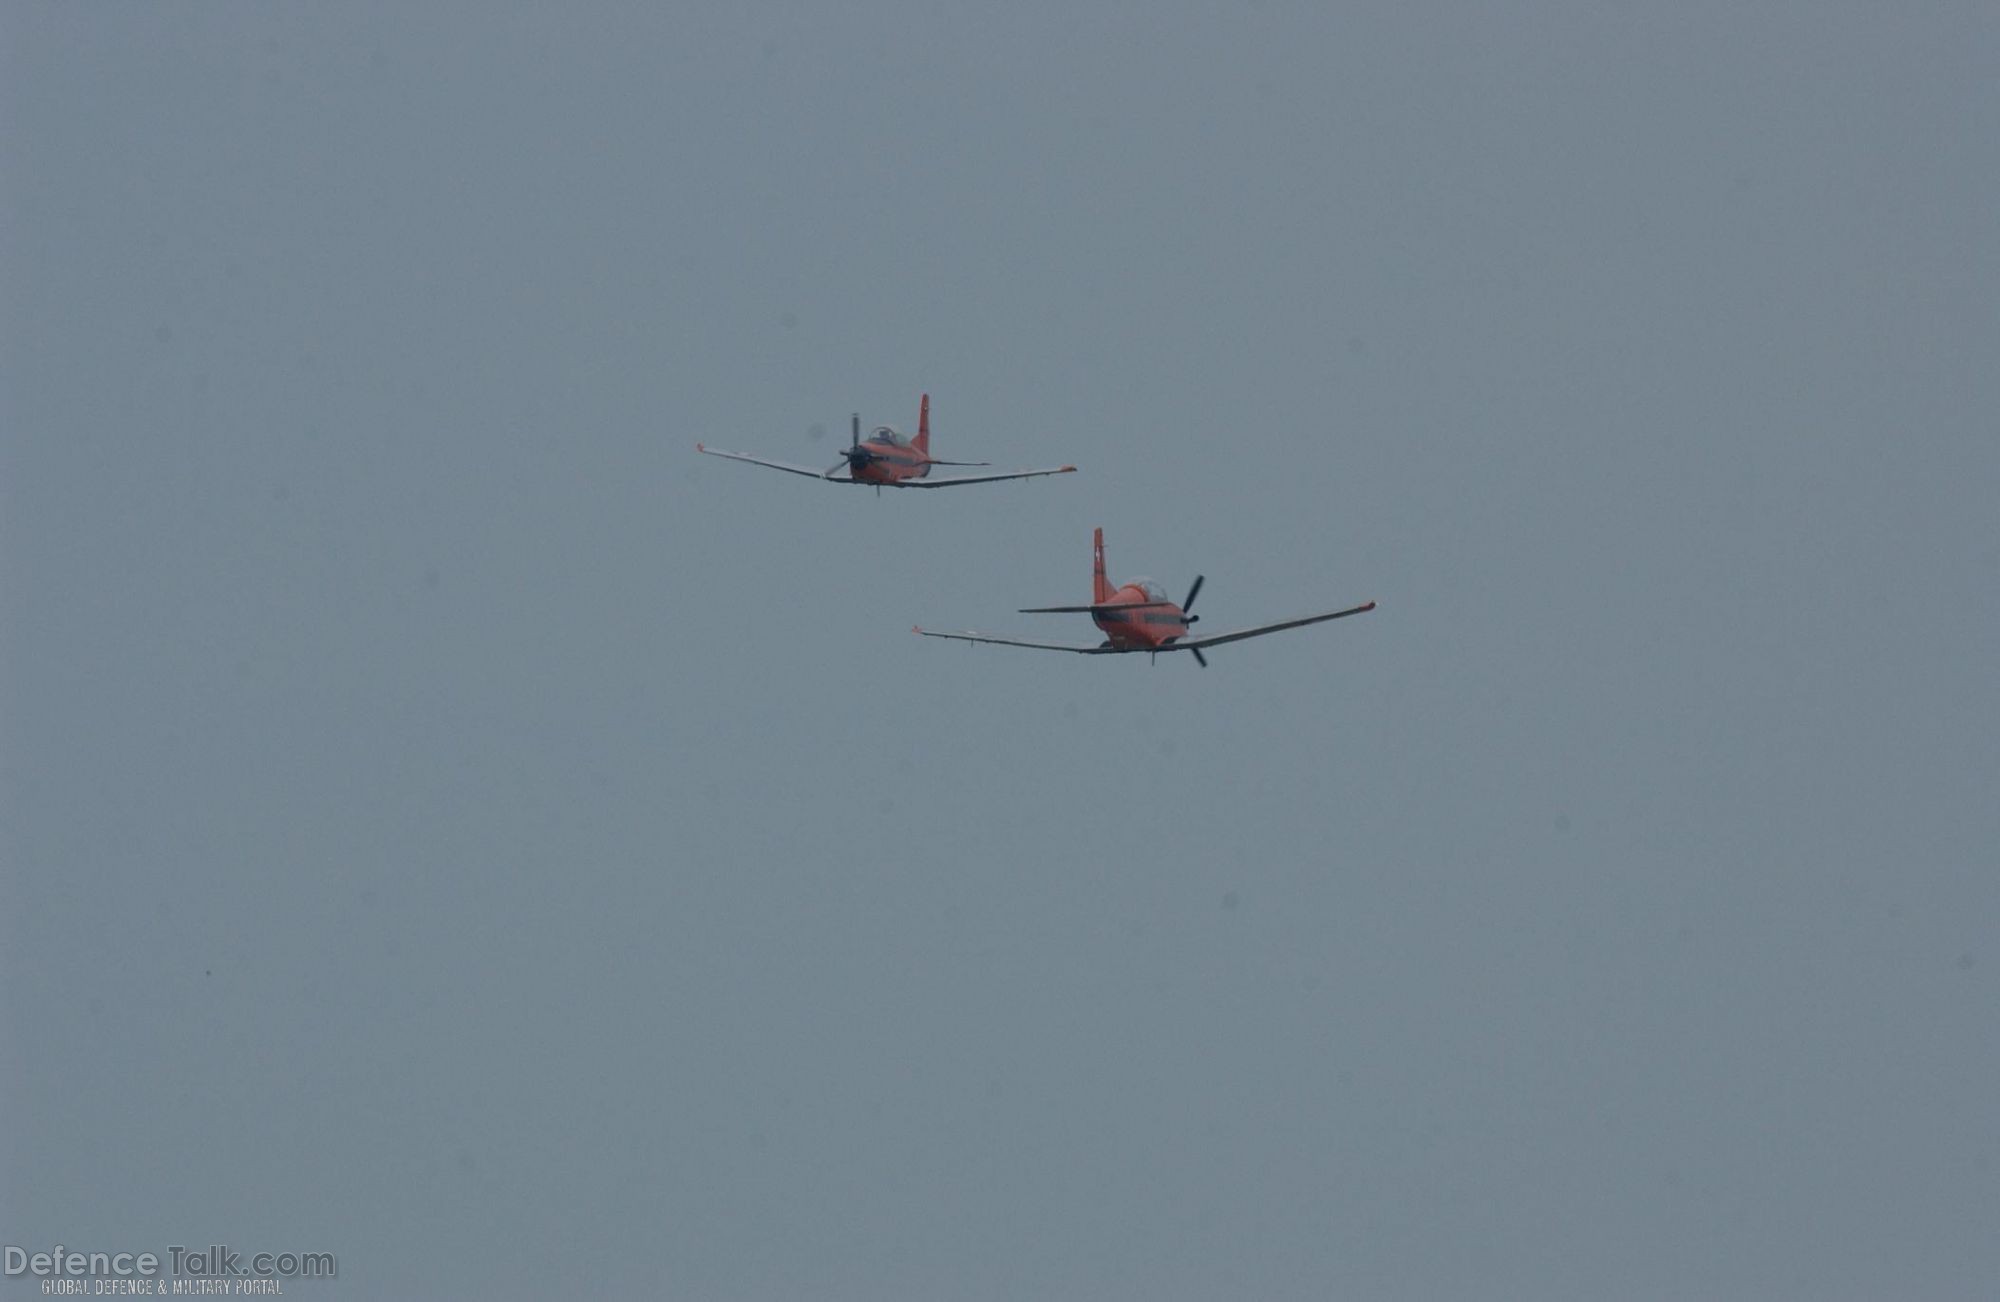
(887, 459)
(1137, 616)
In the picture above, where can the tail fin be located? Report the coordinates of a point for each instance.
(923, 440)
(1100, 587)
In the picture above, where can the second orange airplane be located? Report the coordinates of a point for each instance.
(889, 460)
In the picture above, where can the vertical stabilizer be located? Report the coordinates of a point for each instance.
(1100, 587)
(923, 443)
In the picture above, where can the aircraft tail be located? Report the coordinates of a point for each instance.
(1100, 587)
(923, 439)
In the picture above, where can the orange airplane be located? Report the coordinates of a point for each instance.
(890, 460)
(1138, 617)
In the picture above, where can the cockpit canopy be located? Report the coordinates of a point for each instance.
(1153, 591)
(883, 434)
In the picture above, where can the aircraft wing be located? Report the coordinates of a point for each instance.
(928, 482)
(1081, 648)
(775, 465)
(1217, 639)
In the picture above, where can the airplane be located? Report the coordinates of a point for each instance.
(890, 460)
(1138, 617)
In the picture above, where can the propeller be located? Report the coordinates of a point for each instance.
(856, 456)
(1194, 590)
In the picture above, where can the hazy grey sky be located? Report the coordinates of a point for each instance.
(452, 825)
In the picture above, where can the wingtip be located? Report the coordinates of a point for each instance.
(1067, 470)
(699, 448)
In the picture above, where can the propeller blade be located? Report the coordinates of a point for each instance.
(1189, 603)
(1199, 658)
(856, 441)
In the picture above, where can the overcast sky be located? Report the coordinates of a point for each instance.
(451, 824)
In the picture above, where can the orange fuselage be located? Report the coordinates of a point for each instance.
(1156, 622)
(1151, 626)
(889, 462)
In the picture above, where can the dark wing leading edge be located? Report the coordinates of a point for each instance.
(1217, 639)
(1092, 649)
(775, 465)
(928, 482)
